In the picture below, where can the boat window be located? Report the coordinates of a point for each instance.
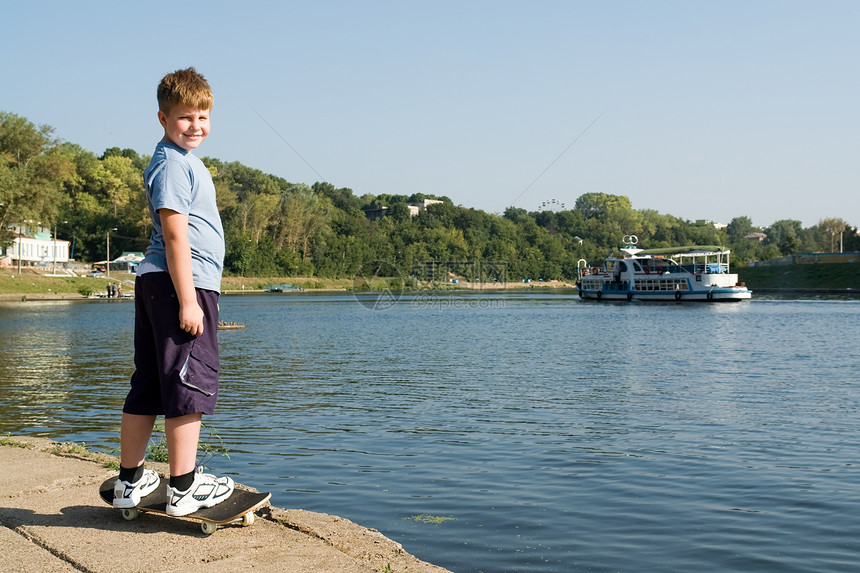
(637, 267)
(622, 266)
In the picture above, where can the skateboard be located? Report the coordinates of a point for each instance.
(239, 507)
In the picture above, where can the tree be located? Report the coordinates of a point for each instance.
(11, 196)
(341, 198)
(603, 206)
(739, 228)
(789, 246)
(29, 182)
(785, 234)
(851, 241)
(399, 212)
(303, 214)
(20, 140)
(139, 162)
(516, 214)
(256, 213)
(831, 229)
(122, 182)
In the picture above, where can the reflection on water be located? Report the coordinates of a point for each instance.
(59, 361)
(558, 435)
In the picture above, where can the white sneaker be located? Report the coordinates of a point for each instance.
(127, 495)
(206, 491)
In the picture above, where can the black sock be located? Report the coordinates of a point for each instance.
(131, 475)
(182, 482)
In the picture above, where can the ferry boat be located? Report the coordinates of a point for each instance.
(682, 274)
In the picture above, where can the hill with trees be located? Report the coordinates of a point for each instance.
(275, 227)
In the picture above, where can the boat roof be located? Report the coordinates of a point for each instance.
(689, 251)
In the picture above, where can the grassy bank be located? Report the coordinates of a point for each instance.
(12, 283)
(30, 283)
(801, 277)
(260, 283)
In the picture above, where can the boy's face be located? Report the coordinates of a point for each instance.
(185, 126)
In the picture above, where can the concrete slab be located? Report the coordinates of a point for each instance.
(53, 520)
(23, 555)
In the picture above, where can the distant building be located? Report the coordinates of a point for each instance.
(718, 226)
(414, 209)
(34, 246)
(756, 237)
(127, 262)
(374, 214)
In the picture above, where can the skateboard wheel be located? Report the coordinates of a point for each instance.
(208, 528)
(130, 514)
(248, 519)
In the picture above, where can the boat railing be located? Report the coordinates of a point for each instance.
(706, 269)
(581, 268)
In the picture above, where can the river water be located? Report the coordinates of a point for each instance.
(517, 432)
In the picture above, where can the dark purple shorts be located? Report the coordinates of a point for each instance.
(175, 373)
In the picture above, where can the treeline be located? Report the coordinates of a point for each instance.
(277, 228)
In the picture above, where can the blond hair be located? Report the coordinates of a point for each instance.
(184, 87)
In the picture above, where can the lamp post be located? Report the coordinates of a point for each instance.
(54, 269)
(107, 251)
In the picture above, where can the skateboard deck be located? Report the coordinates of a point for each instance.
(238, 507)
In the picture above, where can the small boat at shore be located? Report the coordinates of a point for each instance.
(222, 325)
(681, 274)
(283, 288)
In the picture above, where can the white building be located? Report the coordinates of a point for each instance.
(415, 208)
(34, 247)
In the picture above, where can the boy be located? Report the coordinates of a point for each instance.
(176, 308)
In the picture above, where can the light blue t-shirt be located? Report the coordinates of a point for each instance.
(177, 180)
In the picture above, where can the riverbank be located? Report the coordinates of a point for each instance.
(53, 520)
(822, 278)
(791, 280)
(31, 285)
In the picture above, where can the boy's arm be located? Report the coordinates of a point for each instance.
(174, 228)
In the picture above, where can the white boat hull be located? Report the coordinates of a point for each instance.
(668, 296)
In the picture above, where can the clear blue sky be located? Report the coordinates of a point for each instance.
(704, 110)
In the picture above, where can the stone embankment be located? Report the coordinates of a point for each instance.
(53, 520)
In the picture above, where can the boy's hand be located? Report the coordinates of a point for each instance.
(174, 227)
(191, 318)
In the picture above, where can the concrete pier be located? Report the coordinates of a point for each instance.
(52, 520)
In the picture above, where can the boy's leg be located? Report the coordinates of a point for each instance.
(190, 490)
(143, 402)
(183, 434)
(135, 432)
(134, 482)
